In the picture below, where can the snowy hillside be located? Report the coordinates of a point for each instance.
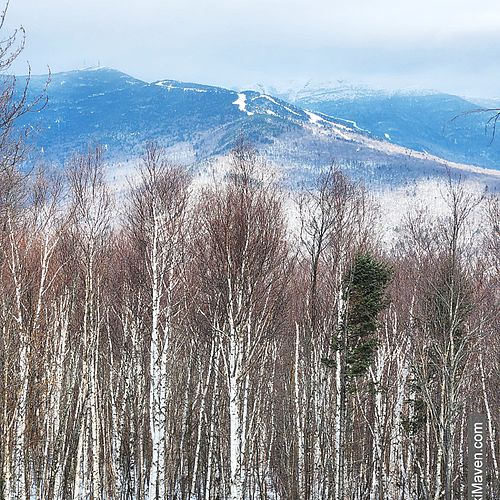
(198, 122)
(423, 120)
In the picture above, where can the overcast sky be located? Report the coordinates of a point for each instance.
(449, 45)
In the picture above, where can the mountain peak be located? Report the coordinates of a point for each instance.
(104, 105)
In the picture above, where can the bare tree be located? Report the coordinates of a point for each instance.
(206, 346)
(14, 97)
(158, 225)
(242, 257)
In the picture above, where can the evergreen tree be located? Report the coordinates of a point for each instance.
(366, 298)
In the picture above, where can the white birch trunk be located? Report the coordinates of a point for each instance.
(299, 416)
(396, 466)
(211, 436)
(157, 373)
(377, 425)
(491, 431)
(236, 487)
(16, 481)
(213, 360)
(339, 397)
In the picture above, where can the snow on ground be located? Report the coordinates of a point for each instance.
(268, 97)
(314, 118)
(120, 176)
(271, 99)
(337, 128)
(394, 149)
(393, 203)
(241, 102)
(169, 86)
(291, 111)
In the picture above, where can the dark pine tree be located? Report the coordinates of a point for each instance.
(366, 298)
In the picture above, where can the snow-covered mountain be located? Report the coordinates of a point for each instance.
(198, 122)
(295, 91)
(114, 109)
(441, 124)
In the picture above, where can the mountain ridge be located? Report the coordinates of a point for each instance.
(439, 123)
(121, 112)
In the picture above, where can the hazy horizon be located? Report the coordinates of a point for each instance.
(450, 46)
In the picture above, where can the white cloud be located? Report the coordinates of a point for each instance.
(227, 41)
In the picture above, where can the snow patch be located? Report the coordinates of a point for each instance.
(291, 111)
(354, 124)
(268, 97)
(314, 118)
(241, 102)
(97, 68)
(271, 99)
(343, 127)
(169, 86)
(339, 133)
(337, 128)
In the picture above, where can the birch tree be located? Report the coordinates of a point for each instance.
(241, 234)
(157, 224)
(334, 217)
(91, 232)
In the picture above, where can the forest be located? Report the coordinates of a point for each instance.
(237, 340)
